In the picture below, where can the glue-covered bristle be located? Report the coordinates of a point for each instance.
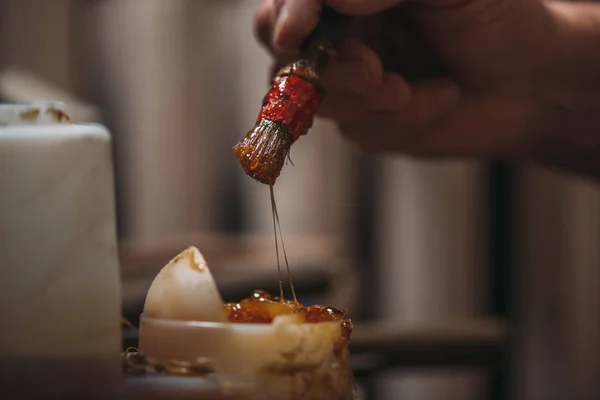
(263, 150)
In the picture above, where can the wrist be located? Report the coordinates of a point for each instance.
(568, 133)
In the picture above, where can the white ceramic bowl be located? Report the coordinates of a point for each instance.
(284, 360)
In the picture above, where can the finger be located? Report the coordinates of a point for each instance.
(385, 131)
(461, 134)
(349, 75)
(352, 49)
(343, 105)
(418, 105)
(393, 94)
(295, 20)
(355, 67)
(264, 21)
(431, 99)
(428, 101)
(375, 135)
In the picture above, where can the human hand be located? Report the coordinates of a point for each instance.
(460, 78)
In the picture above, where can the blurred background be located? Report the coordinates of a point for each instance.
(469, 280)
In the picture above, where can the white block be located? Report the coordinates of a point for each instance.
(59, 274)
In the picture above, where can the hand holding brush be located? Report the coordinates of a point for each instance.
(516, 80)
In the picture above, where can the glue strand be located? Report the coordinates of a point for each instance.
(276, 243)
(287, 264)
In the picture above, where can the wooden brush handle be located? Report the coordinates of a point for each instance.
(326, 36)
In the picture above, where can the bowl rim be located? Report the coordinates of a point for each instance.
(174, 323)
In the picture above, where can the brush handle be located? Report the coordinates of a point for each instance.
(322, 41)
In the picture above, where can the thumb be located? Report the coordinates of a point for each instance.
(295, 19)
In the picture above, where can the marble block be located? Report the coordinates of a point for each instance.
(59, 272)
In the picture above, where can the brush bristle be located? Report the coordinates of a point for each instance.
(263, 150)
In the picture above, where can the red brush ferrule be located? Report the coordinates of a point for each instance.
(291, 101)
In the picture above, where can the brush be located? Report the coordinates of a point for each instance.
(289, 106)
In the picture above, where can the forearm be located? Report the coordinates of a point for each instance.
(569, 136)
